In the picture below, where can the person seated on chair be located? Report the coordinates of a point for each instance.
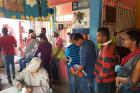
(34, 78)
(29, 51)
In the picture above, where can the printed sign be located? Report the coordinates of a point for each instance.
(81, 18)
(80, 4)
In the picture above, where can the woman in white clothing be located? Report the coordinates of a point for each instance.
(34, 78)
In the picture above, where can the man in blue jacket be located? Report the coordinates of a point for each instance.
(87, 61)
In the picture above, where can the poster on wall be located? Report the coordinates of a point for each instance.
(13, 5)
(81, 18)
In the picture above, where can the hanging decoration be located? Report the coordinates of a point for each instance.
(13, 5)
(25, 10)
(27, 17)
(36, 18)
(49, 4)
(23, 17)
(2, 15)
(1, 3)
(47, 18)
(31, 18)
(13, 17)
(31, 2)
(39, 19)
(51, 11)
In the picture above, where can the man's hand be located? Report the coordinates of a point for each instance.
(29, 90)
(72, 70)
(120, 80)
(79, 71)
(19, 86)
(80, 74)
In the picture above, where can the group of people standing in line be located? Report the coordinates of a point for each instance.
(104, 73)
(89, 70)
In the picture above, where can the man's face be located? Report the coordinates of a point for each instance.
(78, 42)
(41, 40)
(99, 37)
(43, 31)
(33, 35)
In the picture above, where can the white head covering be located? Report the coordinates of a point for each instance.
(34, 64)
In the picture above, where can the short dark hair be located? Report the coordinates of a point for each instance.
(56, 33)
(4, 30)
(31, 31)
(134, 35)
(43, 36)
(71, 35)
(68, 33)
(104, 31)
(77, 36)
(43, 29)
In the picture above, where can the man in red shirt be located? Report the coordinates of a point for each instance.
(7, 44)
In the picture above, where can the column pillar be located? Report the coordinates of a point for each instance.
(95, 17)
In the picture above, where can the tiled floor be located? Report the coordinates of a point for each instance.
(4, 81)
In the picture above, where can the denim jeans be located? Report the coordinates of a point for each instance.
(125, 89)
(9, 61)
(22, 63)
(74, 82)
(87, 85)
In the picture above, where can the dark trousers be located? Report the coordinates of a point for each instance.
(55, 68)
(47, 67)
(23, 61)
(125, 89)
(105, 87)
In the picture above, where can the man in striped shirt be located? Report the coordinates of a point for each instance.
(72, 52)
(106, 61)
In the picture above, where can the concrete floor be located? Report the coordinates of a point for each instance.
(58, 87)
